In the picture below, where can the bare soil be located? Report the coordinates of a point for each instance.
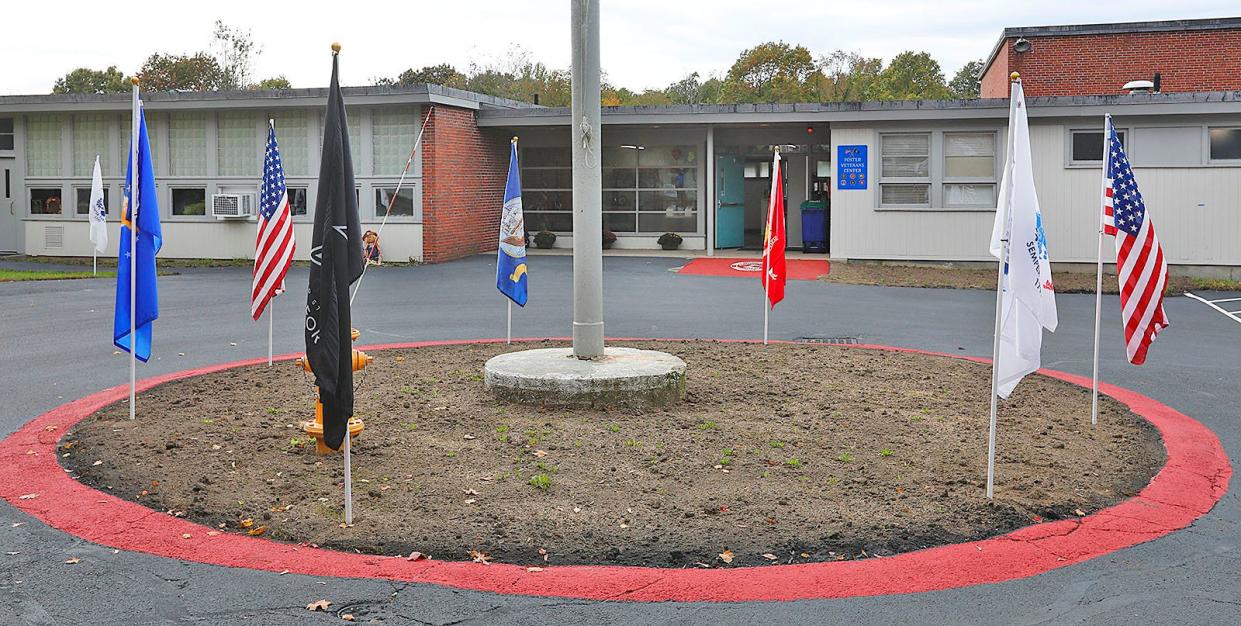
(786, 453)
(895, 275)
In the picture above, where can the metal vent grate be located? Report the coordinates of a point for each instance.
(831, 340)
(53, 236)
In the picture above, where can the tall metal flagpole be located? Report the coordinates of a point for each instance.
(134, 185)
(1098, 289)
(587, 183)
(775, 166)
(510, 321)
(999, 297)
(348, 478)
(271, 304)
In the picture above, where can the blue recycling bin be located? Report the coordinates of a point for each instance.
(814, 226)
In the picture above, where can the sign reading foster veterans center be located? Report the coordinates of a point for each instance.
(851, 167)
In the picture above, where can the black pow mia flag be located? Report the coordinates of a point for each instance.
(336, 262)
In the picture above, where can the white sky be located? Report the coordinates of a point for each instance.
(646, 43)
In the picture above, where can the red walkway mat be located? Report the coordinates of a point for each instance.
(798, 269)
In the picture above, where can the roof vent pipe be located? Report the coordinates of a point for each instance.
(1156, 83)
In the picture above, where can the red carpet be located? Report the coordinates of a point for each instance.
(798, 269)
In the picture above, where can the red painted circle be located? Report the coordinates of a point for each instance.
(1195, 478)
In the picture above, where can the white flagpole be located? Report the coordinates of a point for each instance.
(999, 302)
(134, 184)
(348, 479)
(775, 172)
(510, 320)
(94, 262)
(271, 304)
(1098, 291)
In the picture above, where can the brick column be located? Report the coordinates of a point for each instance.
(463, 172)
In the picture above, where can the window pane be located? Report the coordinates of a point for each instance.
(547, 157)
(189, 201)
(547, 200)
(297, 200)
(6, 126)
(906, 145)
(1226, 143)
(969, 144)
(187, 144)
(43, 145)
(237, 145)
(671, 202)
(45, 201)
(667, 178)
(619, 201)
(905, 194)
(1088, 145)
(404, 205)
(291, 137)
(906, 167)
(90, 138)
(619, 222)
(392, 137)
(969, 166)
(959, 195)
(83, 200)
(686, 222)
(553, 178)
(622, 178)
(559, 222)
(618, 156)
(681, 156)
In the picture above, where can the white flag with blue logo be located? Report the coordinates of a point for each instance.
(1029, 298)
(98, 211)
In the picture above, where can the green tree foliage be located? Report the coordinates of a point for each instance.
(772, 72)
(692, 90)
(275, 82)
(86, 80)
(442, 74)
(167, 72)
(964, 85)
(911, 76)
(846, 76)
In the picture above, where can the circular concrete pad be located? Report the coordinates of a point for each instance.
(623, 376)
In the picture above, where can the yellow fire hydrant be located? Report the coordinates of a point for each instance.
(315, 428)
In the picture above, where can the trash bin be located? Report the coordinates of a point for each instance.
(814, 226)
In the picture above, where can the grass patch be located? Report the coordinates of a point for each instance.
(541, 482)
(11, 276)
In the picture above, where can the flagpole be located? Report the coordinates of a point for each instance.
(271, 304)
(1098, 291)
(134, 184)
(510, 321)
(766, 265)
(348, 478)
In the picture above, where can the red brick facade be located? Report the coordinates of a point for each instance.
(1099, 64)
(463, 172)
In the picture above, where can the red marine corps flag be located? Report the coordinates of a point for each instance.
(774, 240)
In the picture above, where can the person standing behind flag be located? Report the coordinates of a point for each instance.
(140, 212)
(275, 245)
(774, 240)
(511, 277)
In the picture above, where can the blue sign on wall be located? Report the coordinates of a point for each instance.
(851, 167)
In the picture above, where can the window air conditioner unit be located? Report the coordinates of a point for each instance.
(232, 205)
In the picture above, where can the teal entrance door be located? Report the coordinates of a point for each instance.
(729, 201)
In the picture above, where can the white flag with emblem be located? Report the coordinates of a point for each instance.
(98, 211)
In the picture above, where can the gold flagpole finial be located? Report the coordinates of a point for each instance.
(336, 47)
(514, 139)
(133, 80)
(1014, 76)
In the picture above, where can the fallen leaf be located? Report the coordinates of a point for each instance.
(534, 569)
(770, 557)
(96, 463)
(399, 359)
(215, 446)
(469, 492)
(246, 523)
(805, 555)
(577, 509)
(29, 496)
(186, 535)
(540, 453)
(348, 617)
(470, 500)
(1079, 512)
(212, 533)
(624, 525)
(51, 428)
(480, 557)
(72, 561)
(283, 572)
(726, 556)
(468, 437)
(254, 532)
(321, 605)
(416, 556)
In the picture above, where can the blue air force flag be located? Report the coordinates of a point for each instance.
(511, 260)
(139, 209)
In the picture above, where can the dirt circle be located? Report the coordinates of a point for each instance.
(785, 453)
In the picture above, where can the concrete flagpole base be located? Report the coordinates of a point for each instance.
(554, 376)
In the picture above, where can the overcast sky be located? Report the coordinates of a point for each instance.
(646, 43)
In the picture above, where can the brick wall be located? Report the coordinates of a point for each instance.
(463, 173)
(1071, 65)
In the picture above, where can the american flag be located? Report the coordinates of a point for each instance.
(275, 245)
(1140, 264)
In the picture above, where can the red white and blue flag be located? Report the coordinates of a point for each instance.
(274, 248)
(1140, 265)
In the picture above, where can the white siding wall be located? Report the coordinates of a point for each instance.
(1197, 210)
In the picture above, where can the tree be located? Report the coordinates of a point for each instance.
(771, 72)
(964, 85)
(86, 80)
(911, 76)
(275, 82)
(848, 77)
(168, 72)
(442, 74)
(235, 53)
(690, 90)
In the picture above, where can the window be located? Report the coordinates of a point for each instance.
(6, 133)
(1087, 145)
(668, 189)
(189, 201)
(187, 144)
(1168, 146)
(905, 170)
(237, 145)
(403, 206)
(297, 200)
(291, 136)
(1225, 144)
(969, 170)
(43, 145)
(45, 201)
(547, 189)
(392, 138)
(354, 119)
(90, 139)
(83, 199)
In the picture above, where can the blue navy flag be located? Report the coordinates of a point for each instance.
(511, 259)
(144, 212)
